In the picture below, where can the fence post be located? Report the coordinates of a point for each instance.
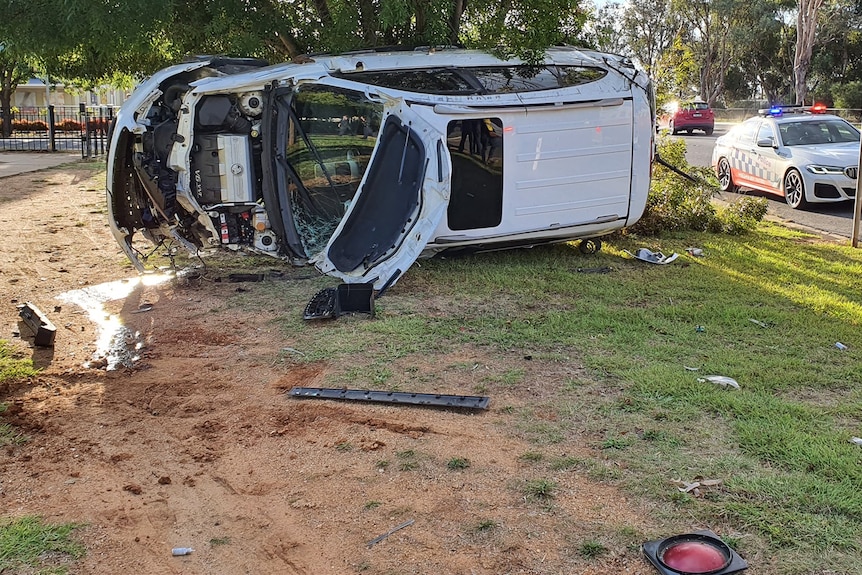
(52, 129)
(85, 130)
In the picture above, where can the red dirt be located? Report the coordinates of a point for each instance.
(198, 445)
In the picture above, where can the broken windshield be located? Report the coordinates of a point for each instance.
(328, 136)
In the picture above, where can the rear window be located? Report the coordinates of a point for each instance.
(693, 107)
(479, 80)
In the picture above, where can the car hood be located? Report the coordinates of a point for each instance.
(832, 154)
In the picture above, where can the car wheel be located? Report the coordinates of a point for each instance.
(671, 128)
(590, 246)
(725, 177)
(709, 131)
(794, 189)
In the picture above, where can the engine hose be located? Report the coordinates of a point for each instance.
(679, 172)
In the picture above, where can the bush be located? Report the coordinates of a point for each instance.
(68, 126)
(848, 95)
(28, 126)
(676, 203)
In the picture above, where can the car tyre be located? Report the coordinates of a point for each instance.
(671, 128)
(709, 131)
(794, 189)
(725, 176)
(590, 246)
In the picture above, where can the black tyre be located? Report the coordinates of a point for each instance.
(794, 189)
(590, 246)
(709, 131)
(725, 177)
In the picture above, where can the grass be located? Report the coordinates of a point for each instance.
(13, 366)
(540, 489)
(30, 542)
(790, 478)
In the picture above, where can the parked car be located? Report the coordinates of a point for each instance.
(804, 156)
(690, 116)
(360, 163)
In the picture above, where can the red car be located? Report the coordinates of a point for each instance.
(692, 116)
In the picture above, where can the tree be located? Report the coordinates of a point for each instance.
(13, 71)
(711, 23)
(806, 33)
(648, 28)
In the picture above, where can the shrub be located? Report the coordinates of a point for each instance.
(68, 126)
(676, 203)
(28, 126)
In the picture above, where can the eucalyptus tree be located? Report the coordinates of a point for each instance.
(711, 23)
(648, 28)
(806, 35)
(836, 65)
(763, 54)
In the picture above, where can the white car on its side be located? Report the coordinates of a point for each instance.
(360, 163)
(804, 156)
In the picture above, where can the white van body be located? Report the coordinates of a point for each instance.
(362, 163)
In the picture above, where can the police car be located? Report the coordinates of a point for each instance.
(803, 154)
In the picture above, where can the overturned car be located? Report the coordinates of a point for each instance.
(361, 163)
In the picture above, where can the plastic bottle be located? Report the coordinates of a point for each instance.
(177, 551)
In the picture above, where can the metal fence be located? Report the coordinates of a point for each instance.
(59, 129)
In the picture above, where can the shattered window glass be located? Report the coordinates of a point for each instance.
(329, 151)
(479, 80)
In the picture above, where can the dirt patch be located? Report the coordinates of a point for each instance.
(196, 443)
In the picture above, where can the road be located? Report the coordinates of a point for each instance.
(835, 219)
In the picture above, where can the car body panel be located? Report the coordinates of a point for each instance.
(298, 161)
(761, 152)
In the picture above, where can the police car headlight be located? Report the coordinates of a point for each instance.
(823, 170)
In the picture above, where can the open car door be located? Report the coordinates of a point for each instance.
(400, 202)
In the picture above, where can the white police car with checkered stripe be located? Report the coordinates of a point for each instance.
(806, 156)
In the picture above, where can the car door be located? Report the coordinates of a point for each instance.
(744, 156)
(400, 202)
(767, 161)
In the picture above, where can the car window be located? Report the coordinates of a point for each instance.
(701, 106)
(747, 131)
(329, 154)
(765, 132)
(479, 80)
(825, 131)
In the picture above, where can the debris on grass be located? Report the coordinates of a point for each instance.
(380, 538)
(721, 380)
(651, 257)
(696, 486)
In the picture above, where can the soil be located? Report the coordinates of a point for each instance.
(196, 443)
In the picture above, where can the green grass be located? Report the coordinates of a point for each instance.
(30, 542)
(790, 478)
(13, 366)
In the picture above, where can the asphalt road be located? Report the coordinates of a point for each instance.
(834, 219)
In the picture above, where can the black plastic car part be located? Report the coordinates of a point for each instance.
(426, 399)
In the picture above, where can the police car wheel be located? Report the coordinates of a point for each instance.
(725, 177)
(794, 189)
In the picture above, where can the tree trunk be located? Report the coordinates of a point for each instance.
(7, 88)
(806, 31)
(458, 7)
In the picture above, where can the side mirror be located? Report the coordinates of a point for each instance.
(766, 143)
